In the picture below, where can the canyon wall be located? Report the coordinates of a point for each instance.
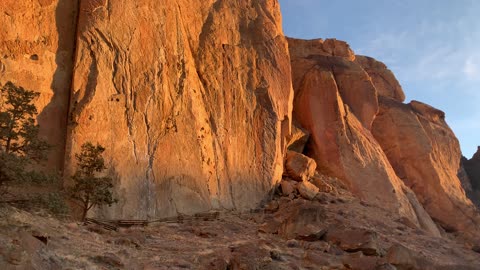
(36, 52)
(193, 101)
(190, 98)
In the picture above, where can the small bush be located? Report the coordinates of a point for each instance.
(54, 203)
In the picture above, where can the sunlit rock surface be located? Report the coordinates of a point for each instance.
(191, 99)
(36, 52)
(425, 154)
(336, 101)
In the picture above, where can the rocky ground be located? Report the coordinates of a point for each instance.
(332, 231)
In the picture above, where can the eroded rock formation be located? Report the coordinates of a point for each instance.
(191, 99)
(336, 101)
(425, 154)
(337, 98)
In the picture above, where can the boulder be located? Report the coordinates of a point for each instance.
(26, 251)
(321, 184)
(193, 101)
(251, 255)
(300, 219)
(312, 236)
(354, 240)
(425, 154)
(401, 257)
(307, 190)
(299, 167)
(298, 138)
(358, 261)
(316, 260)
(288, 187)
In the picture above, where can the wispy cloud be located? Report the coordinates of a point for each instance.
(471, 68)
(431, 48)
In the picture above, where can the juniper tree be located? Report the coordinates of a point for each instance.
(89, 189)
(19, 141)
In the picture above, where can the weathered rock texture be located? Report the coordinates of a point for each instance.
(191, 99)
(464, 177)
(299, 167)
(425, 154)
(300, 48)
(382, 77)
(469, 175)
(336, 101)
(472, 169)
(36, 52)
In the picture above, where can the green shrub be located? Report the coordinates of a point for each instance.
(89, 189)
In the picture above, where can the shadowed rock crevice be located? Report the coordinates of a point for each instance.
(37, 49)
(470, 174)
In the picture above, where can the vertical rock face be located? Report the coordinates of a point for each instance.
(191, 99)
(335, 100)
(463, 176)
(472, 168)
(469, 174)
(36, 52)
(425, 154)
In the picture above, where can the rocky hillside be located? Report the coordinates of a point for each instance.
(201, 104)
(333, 232)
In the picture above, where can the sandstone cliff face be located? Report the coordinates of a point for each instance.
(336, 101)
(36, 52)
(425, 154)
(191, 99)
(337, 98)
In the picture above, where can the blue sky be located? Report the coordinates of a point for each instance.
(432, 46)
